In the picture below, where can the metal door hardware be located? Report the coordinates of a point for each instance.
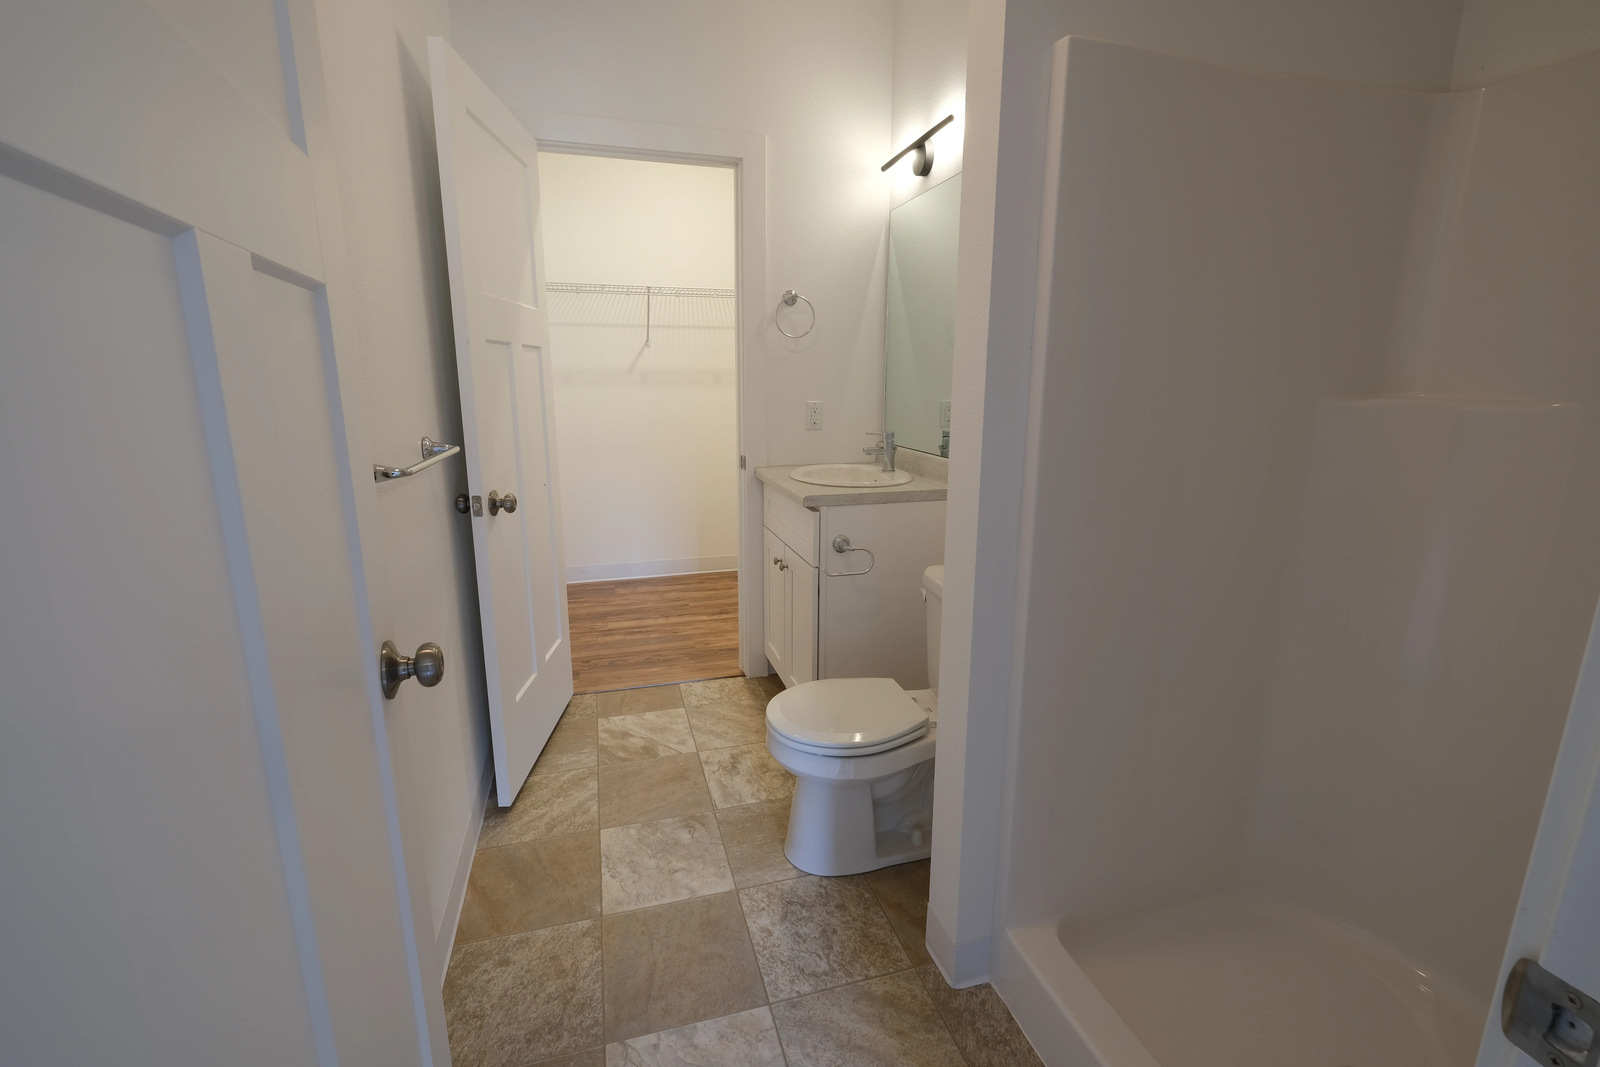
(427, 667)
(1549, 1019)
(432, 452)
(498, 503)
(464, 504)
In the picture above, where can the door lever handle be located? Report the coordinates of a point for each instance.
(427, 667)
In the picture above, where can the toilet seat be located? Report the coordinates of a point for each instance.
(847, 716)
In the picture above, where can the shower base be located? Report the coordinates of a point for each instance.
(1230, 982)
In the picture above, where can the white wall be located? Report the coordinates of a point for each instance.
(647, 437)
(375, 54)
(930, 82)
(816, 82)
(1407, 45)
(1504, 37)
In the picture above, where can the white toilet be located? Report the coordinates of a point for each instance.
(862, 749)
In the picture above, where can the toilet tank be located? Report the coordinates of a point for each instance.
(933, 611)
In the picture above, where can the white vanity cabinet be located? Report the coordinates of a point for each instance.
(790, 589)
(827, 614)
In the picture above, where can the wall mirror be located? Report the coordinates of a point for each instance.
(920, 323)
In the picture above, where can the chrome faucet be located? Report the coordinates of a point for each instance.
(886, 450)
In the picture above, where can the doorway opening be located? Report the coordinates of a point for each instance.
(641, 261)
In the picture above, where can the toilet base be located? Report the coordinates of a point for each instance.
(851, 827)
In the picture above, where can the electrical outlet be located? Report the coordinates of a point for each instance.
(813, 414)
(944, 414)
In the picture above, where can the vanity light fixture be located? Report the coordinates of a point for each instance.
(922, 162)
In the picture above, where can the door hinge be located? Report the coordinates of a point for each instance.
(1548, 1018)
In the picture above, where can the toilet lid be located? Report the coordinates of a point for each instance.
(846, 713)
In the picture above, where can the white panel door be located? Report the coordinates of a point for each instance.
(201, 855)
(489, 182)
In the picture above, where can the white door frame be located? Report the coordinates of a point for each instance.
(746, 152)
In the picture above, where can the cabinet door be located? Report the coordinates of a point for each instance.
(802, 620)
(776, 601)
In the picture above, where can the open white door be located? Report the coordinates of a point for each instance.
(201, 852)
(489, 182)
(1558, 918)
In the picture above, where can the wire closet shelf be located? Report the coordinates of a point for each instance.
(637, 290)
(650, 293)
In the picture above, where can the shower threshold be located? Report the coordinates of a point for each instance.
(1234, 982)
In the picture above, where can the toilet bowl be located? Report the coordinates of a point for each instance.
(862, 752)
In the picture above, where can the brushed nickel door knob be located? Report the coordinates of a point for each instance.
(427, 667)
(498, 503)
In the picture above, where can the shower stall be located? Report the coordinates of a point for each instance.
(1312, 550)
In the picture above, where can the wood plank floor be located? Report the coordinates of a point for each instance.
(654, 631)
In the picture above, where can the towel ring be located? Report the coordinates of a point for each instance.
(841, 544)
(788, 300)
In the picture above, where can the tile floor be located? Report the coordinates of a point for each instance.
(634, 907)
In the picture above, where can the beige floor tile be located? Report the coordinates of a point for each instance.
(728, 724)
(583, 706)
(980, 1022)
(811, 933)
(744, 775)
(652, 863)
(632, 701)
(719, 690)
(903, 892)
(513, 1001)
(644, 735)
(595, 1057)
(677, 964)
(753, 836)
(747, 1039)
(531, 885)
(885, 1022)
(572, 745)
(643, 790)
(548, 806)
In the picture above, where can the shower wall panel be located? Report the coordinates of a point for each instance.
(1411, 732)
(1227, 249)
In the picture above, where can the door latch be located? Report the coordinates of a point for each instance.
(1549, 1019)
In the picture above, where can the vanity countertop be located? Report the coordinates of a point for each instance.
(920, 487)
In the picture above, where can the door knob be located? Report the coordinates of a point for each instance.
(427, 667)
(498, 503)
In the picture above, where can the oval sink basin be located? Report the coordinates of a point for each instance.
(849, 475)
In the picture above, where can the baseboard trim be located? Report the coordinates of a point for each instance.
(964, 964)
(651, 568)
(445, 940)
